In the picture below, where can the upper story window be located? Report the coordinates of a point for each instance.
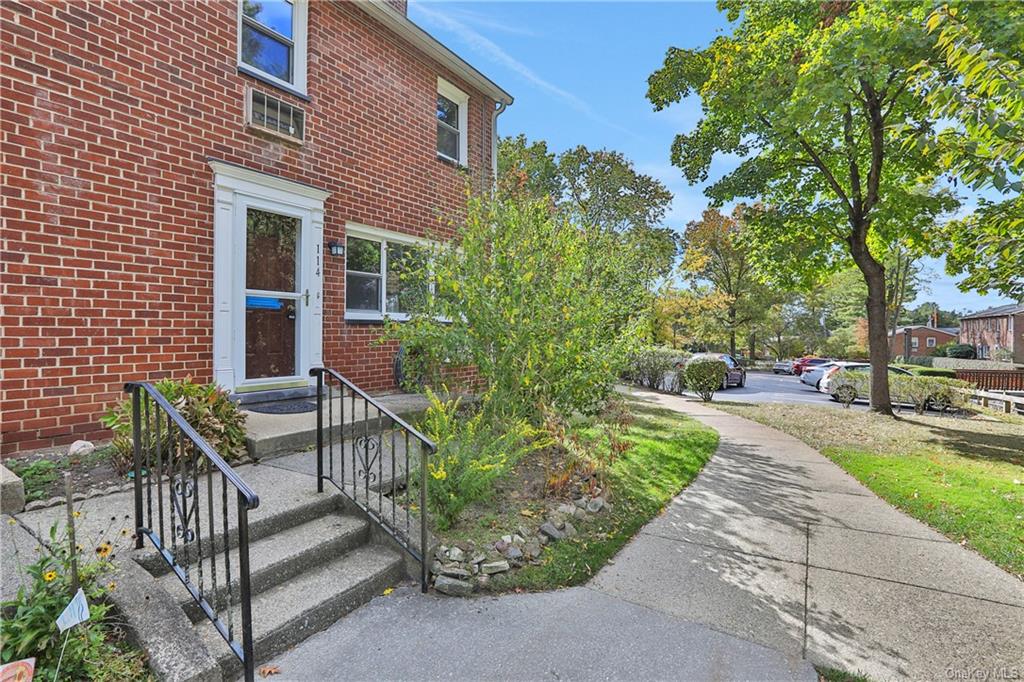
(272, 41)
(931, 342)
(374, 264)
(452, 123)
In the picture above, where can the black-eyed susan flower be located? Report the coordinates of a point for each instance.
(104, 550)
(50, 576)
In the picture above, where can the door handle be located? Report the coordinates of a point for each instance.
(306, 295)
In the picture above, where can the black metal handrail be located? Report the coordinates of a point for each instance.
(355, 477)
(168, 450)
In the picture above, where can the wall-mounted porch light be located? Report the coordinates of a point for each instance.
(336, 248)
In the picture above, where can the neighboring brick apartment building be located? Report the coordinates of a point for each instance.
(995, 329)
(923, 339)
(176, 178)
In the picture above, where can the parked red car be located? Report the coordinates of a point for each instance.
(807, 361)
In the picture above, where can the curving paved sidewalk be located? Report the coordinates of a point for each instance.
(775, 544)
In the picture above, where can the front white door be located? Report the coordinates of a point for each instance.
(268, 274)
(272, 320)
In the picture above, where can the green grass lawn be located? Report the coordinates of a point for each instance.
(962, 476)
(667, 451)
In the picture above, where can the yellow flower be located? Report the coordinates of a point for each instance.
(388, 591)
(76, 514)
(439, 475)
(11, 522)
(103, 551)
(111, 586)
(49, 576)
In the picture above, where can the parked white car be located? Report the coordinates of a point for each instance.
(826, 378)
(813, 374)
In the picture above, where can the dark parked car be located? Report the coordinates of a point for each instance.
(735, 375)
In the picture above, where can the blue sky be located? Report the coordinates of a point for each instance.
(578, 71)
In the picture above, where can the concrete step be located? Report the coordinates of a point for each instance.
(272, 560)
(260, 526)
(373, 462)
(287, 614)
(271, 435)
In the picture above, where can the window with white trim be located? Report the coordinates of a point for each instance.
(913, 342)
(930, 342)
(272, 41)
(374, 283)
(452, 123)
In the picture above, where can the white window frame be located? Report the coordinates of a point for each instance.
(300, 19)
(914, 343)
(462, 100)
(384, 237)
(930, 342)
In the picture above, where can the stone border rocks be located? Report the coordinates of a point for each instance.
(464, 569)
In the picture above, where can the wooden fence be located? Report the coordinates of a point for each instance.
(993, 379)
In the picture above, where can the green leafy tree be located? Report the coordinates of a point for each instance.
(596, 189)
(713, 253)
(546, 310)
(806, 94)
(977, 86)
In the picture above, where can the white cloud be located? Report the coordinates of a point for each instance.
(491, 50)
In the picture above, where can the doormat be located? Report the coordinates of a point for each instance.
(285, 407)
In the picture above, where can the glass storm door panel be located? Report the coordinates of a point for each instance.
(272, 295)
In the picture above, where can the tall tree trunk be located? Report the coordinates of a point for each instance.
(732, 332)
(878, 338)
(753, 346)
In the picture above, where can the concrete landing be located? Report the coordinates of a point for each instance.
(572, 634)
(272, 435)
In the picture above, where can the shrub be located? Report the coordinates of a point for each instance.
(920, 361)
(935, 372)
(205, 406)
(847, 386)
(546, 310)
(922, 392)
(471, 455)
(94, 649)
(649, 367)
(941, 350)
(964, 351)
(704, 375)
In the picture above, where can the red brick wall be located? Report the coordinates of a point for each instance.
(109, 112)
(896, 346)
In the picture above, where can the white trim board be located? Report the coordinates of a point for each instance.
(235, 188)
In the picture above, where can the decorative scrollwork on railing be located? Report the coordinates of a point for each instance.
(367, 448)
(184, 499)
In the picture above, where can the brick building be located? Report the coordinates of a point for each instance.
(996, 332)
(922, 339)
(222, 190)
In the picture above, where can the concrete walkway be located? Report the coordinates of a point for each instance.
(775, 544)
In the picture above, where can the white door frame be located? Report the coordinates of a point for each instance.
(235, 189)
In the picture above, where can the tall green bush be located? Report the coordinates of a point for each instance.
(545, 309)
(964, 351)
(704, 376)
(650, 367)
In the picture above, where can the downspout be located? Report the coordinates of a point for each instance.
(498, 110)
